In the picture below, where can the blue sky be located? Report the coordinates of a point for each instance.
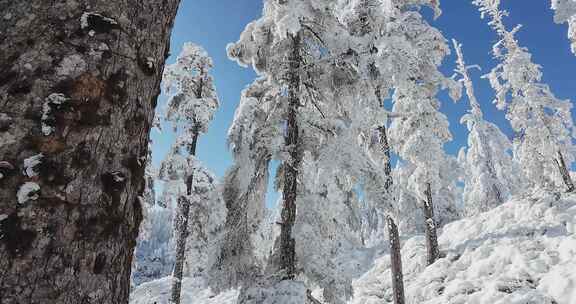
(213, 24)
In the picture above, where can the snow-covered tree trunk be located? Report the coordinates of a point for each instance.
(181, 228)
(78, 87)
(564, 171)
(291, 167)
(395, 261)
(393, 235)
(432, 250)
(181, 225)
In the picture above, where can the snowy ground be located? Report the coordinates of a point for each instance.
(193, 292)
(523, 252)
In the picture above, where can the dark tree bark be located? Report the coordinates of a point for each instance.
(565, 173)
(433, 252)
(291, 168)
(393, 235)
(396, 261)
(78, 86)
(181, 229)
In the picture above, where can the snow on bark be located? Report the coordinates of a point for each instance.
(85, 104)
(51, 105)
(28, 192)
(31, 163)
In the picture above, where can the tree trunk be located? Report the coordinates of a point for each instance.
(78, 87)
(396, 261)
(433, 252)
(291, 167)
(181, 229)
(565, 172)
(181, 233)
(393, 235)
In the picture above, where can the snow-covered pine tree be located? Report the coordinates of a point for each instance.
(565, 12)
(490, 177)
(420, 130)
(543, 123)
(254, 134)
(78, 88)
(365, 20)
(296, 46)
(190, 109)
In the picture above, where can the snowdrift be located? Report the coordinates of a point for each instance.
(522, 252)
(194, 291)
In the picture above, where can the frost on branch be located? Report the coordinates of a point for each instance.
(194, 100)
(245, 184)
(565, 12)
(490, 174)
(542, 122)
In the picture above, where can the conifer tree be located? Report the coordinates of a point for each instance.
(487, 161)
(190, 109)
(543, 123)
(296, 47)
(419, 130)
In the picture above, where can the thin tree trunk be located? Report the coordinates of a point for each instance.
(393, 235)
(182, 234)
(181, 228)
(433, 252)
(291, 167)
(565, 172)
(396, 261)
(78, 87)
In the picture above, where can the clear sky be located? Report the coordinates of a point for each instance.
(215, 23)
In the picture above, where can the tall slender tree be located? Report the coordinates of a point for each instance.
(420, 130)
(295, 46)
(543, 123)
(490, 176)
(77, 96)
(365, 20)
(190, 110)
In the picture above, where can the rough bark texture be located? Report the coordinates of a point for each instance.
(78, 87)
(565, 173)
(393, 235)
(182, 233)
(290, 189)
(433, 252)
(396, 262)
(181, 228)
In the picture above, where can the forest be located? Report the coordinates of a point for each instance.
(339, 183)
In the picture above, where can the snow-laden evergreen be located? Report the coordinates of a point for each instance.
(190, 191)
(299, 47)
(565, 12)
(487, 160)
(255, 129)
(543, 123)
